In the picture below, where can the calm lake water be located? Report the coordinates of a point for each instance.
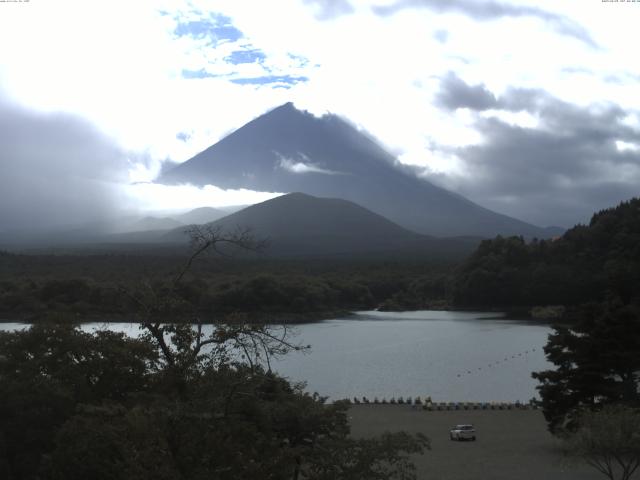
(450, 356)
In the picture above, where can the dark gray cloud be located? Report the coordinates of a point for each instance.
(556, 173)
(55, 169)
(327, 9)
(455, 93)
(492, 10)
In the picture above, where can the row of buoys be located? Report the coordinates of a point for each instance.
(428, 404)
(480, 406)
(497, 362)
(391, 401)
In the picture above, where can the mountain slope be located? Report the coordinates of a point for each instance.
(287, 150)
(302, 225)
(200, 215)
(152, 223)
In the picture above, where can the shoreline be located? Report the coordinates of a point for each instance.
(262, 317)
(289, 318)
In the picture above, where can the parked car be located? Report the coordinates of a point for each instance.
(462, 432)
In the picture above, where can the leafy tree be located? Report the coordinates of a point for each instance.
(597, 363)
(609, 441)
(47, 371)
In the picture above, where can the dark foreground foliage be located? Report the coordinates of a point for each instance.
(177, 402)
(76, 405)
(597, 359)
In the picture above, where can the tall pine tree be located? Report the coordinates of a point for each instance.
(597, 360)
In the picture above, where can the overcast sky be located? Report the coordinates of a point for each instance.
(529, 108)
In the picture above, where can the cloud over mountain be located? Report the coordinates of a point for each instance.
(569, 160)
(55, 169)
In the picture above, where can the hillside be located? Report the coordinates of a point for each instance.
(303, 225)
(588, 263)
(287, 150)
(199, 215)
(129, 230)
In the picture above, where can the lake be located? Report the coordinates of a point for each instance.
(448, 355)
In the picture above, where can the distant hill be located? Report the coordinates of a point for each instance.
(287, 150)
(125, 230)
(152, 223)
(196, 216)
(302, 225)
(588, 263)
(199, 216)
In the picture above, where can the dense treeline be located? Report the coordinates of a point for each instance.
(588, 263)
(81, 287)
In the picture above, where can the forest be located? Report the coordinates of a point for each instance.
(588, 263)
(94, 287)
(593, 262)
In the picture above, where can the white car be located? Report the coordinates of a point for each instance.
(462, 432)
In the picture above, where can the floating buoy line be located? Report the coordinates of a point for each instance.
(508, 358)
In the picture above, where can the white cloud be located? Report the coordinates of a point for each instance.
(622, 146)
(151, 196)
(302, 165)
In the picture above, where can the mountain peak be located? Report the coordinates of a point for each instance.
(287, 106)
(291, 150)
(283, 111)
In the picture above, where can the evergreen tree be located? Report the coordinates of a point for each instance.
(597, 360)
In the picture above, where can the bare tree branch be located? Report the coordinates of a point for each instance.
(184, 345)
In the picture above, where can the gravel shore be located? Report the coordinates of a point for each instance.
(510, 445)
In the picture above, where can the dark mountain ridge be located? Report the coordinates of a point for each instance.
(297, 224)
(288, 150)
